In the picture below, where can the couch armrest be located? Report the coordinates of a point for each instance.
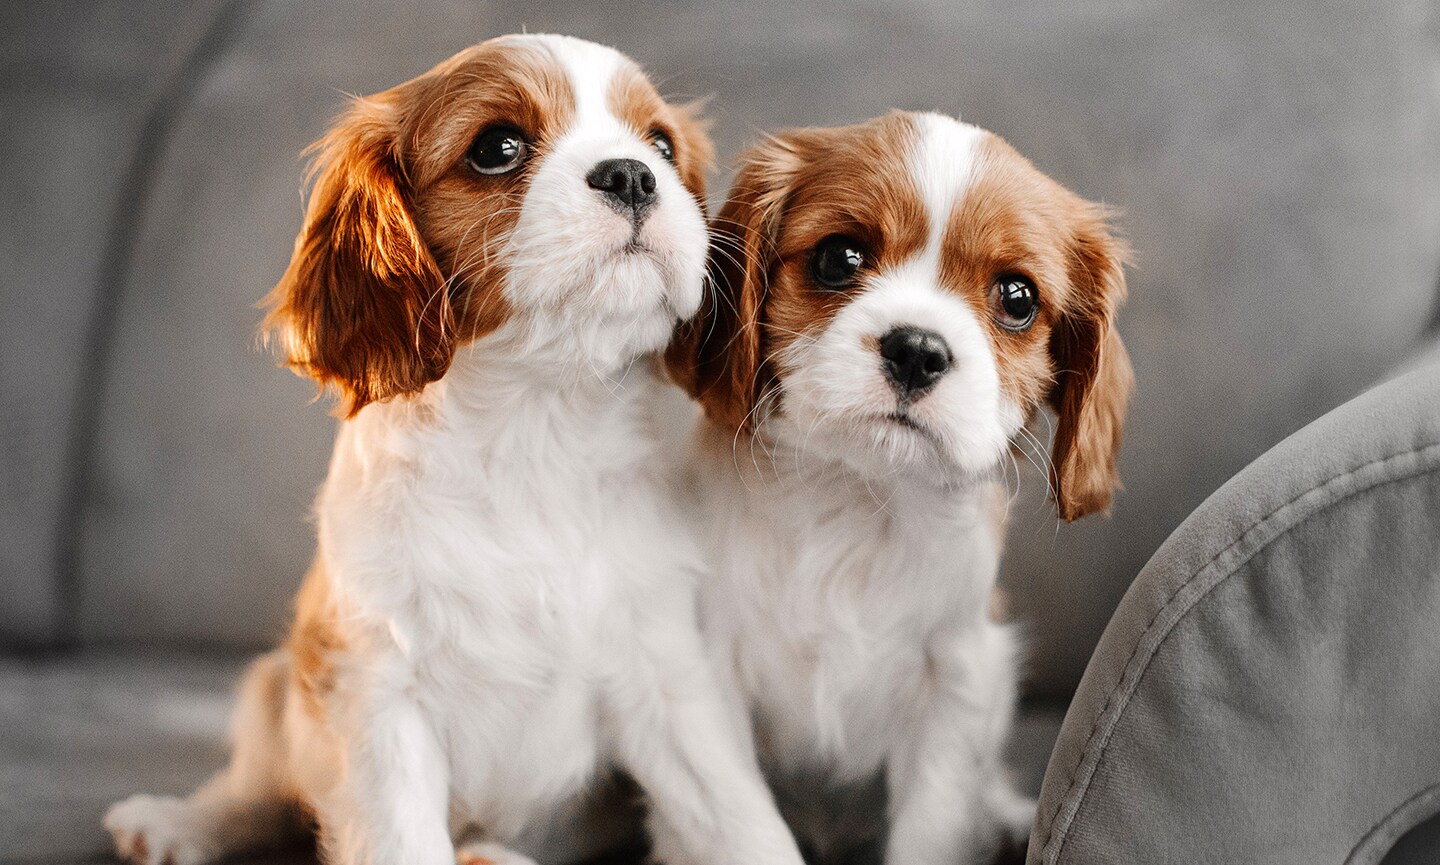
(1266, 691)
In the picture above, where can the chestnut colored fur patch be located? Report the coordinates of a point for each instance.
(792, 190)
(851, 183)
(316, 637)
(634, 100)
(395, 267)
(1015, 219)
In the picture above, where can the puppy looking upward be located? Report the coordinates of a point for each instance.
(893, 301)
(501, 608)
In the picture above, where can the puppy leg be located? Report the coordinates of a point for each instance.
(489, 853)
(242, 807)
(1012, 812)
(392, 805)
(678, 739)
(941, 776)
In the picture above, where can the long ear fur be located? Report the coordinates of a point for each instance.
(1094, 379)
(718, 355)
(362, 309)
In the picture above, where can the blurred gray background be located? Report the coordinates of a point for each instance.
(1278, 165)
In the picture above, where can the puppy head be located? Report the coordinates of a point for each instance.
(532, 188)
(901, 295)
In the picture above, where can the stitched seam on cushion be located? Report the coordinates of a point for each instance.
(132, 201)
(1073, 783)
(1389, 829)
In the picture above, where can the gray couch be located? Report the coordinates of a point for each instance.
(1278, 165)
(1267, 690)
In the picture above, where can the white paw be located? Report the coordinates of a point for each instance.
(1015, 814)
(490, 853)
(161, 830)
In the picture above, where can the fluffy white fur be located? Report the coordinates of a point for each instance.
(855, 560)
(523, 609)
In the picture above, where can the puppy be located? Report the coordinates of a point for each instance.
(501, 610)
(893, 301)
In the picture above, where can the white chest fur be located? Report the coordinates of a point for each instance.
(842, 611)
(497, 553)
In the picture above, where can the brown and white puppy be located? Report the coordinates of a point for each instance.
(501, 610)
(893, 302)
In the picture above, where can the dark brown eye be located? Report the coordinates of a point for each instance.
(663, 145)
(836, 260)
(497, 150)
(1014, 301)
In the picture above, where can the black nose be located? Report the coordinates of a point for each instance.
(914, 359)
(626, 184)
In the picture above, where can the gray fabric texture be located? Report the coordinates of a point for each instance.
(1278, 166)
(1419, 846)
(78, 79)
(1267, 690)
(85, 731)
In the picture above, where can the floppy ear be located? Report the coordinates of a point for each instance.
(717, 355)
(362, 308)
(1093, 375)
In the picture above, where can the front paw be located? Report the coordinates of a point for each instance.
(1011, 851)
(160, 830)
(1014, 815)
(489, 853)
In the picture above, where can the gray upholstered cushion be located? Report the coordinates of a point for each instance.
(1268, 689)
(83, 731)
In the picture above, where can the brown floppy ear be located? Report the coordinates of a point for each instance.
(718, 355)
(362, 308)
(1093, 375)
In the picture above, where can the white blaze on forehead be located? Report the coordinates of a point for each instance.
(590, 68)
(942, 161)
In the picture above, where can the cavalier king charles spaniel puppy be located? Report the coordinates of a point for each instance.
(501, 613)
(893, 302)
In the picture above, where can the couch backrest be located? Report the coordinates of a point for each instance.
(1283, 195)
